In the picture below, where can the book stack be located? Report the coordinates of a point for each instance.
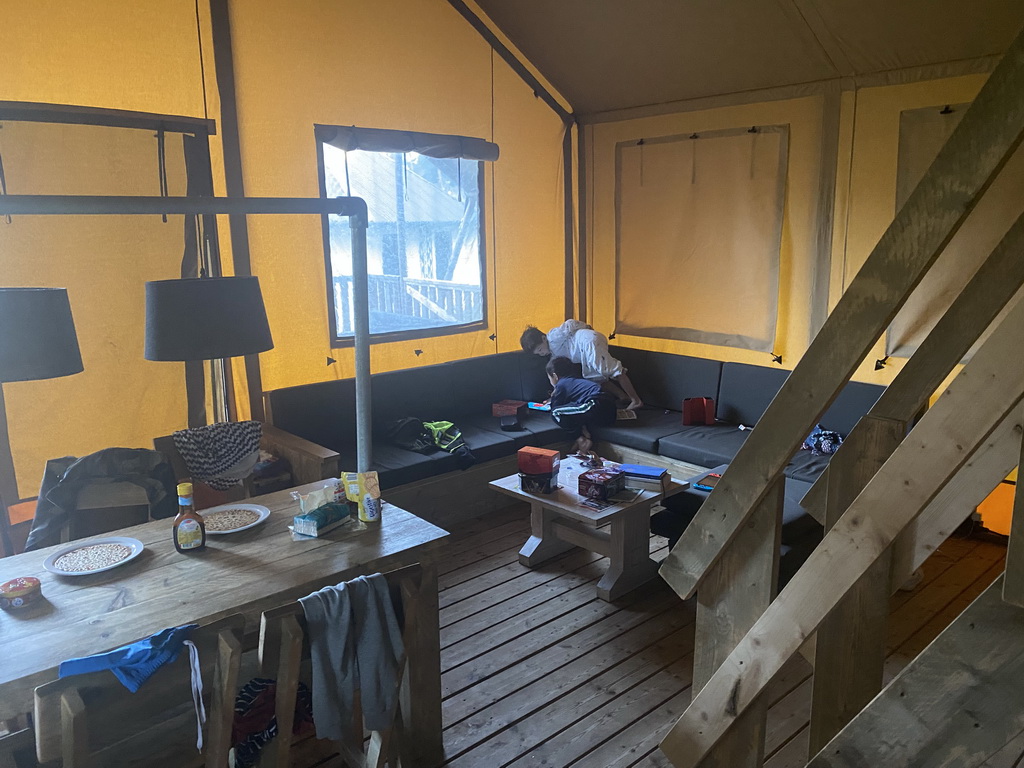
(646, 478)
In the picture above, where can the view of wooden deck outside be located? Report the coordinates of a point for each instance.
(403, 303)
(536, 671)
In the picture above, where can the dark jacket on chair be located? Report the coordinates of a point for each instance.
(64, 478)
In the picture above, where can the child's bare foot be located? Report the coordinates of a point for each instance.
(634, 405)
(583, 445)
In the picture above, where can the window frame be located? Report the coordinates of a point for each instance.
(342, 342)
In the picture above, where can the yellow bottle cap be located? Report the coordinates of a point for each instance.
(184, 489)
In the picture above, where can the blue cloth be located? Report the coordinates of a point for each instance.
(573, 391)
(822, 442)
(133, 664)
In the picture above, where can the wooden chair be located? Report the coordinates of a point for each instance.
(283, 649)
(309, 462)
(93, 720)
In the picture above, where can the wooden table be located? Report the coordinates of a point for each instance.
(246, 572)
(559, 522)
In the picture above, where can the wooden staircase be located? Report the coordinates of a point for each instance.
(888, 499)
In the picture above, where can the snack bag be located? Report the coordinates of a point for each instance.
(364, 489)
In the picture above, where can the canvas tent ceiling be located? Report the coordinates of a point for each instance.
(604, 55)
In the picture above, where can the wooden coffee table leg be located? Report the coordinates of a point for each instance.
(543, 544)
(631, 564)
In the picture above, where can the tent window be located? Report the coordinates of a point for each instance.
(698, 230)
(424, 240)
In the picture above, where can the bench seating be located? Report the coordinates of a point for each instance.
(463, 391)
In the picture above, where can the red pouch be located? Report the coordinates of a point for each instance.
(698, 410)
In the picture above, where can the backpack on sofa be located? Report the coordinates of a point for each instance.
(410, 434)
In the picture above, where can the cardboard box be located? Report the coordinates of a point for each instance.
(538, 461)
(509, 408)
(546, 483)
(601, 483)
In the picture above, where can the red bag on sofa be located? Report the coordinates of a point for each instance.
(698, 410)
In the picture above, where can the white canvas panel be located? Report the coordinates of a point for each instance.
(699, 222)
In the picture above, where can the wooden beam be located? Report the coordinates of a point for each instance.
(1013, 585)
(992, 462)
(981, 300)
(989, 132)
(850, 650)
(988, 388)
(957, 704)
(737, 591)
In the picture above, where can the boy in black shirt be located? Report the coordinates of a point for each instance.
(578, 403)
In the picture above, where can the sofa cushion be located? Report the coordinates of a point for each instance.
(664, 380)
(537, 429)
(397, 466)
(323, 413)
(487, 444)
(746, 391)
(705, 446)
(476, 383)
(532, 377)
(806, 466)
(854, 401)
(642, 433)
(424, 393)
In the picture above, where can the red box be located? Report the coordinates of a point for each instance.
(698, 410)
(601, 483)
(538, 461)
(509, 408)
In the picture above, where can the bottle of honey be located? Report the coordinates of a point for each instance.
(189, 529)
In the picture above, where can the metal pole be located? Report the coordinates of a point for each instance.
(361, 324)
(61, 205)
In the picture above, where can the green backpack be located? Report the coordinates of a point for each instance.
(446, 435)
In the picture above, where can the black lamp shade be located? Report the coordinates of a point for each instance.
(205, 318)
(37, 335)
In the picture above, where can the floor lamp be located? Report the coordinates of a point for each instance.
(37, 341)
(206, 318)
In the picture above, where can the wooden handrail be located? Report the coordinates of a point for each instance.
(967, 413)
(990, 131)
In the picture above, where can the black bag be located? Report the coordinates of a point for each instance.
(410, 434)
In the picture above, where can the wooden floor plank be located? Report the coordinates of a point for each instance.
(519, 739)
(916, 612)
(538, 672)
(528, 579)
(627, 613)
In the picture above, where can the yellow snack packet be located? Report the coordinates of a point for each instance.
(364, 489)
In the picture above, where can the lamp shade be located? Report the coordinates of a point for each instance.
(205, 318)
(37, 335)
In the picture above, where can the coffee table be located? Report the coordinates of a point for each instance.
(559, 522)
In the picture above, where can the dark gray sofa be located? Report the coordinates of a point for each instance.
(463, 391)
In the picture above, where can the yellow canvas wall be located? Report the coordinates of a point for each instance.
(867, 179)
(403, 64)
(797, 254)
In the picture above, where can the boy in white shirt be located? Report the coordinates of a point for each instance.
(582, 344)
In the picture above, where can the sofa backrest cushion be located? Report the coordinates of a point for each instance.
(664, 380)
(853, 402)
(533, 379)
(425, 393)
(477, 382)
(324, 413)
(746, 391)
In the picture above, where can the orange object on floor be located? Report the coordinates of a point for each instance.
(997, 509)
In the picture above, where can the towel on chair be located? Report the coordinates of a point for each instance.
(220, 455)
(135, 663)
(355, 644)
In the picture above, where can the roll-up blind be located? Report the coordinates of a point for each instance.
(922, 134)
(699, 228)
(350, 138)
